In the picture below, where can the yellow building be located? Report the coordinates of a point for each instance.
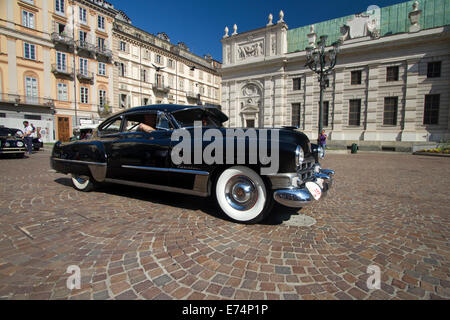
(55, 64)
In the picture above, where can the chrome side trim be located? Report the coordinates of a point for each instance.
(282, 180)
(158, 187)
(196, 172)
(81, 162)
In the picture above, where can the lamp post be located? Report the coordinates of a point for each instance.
(322, 62)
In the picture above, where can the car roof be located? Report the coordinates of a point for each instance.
(164, 107)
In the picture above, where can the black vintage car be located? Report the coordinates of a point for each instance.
(11, 144)
(37, 142)
(120, 152)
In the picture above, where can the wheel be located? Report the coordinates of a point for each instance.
(242, 195)
(83, 183)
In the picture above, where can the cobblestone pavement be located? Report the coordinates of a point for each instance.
(389, 210)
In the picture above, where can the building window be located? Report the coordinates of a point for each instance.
(83, 15)
(390, 111)
(32, 117)
(431, 110)
(392, 73)
(326, 112)
(434, 69)
(101, 23)
(62, 92)
(122, 69)
(61, 64)
(144, 75)
(59, 7)
(31, 89)
(102, 69)
(158, 59)
(29, 51)
(84, 95)
(297, 84)
(200, 74)
(354, 114)
(181, 84)
(28, 19)
(2, 115)
(123, 46)
(102, 97)
(100, 43)
(170, 63)
(356, 77)
(123, 100)
(82, 37)
(296, 115)
(84, 66)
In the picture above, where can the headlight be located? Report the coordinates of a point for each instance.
(321, 152)
(19, 144)
(7, 144)
(299, 156)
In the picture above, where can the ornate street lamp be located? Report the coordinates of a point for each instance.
(322, 62)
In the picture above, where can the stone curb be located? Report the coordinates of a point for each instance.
(430, 154)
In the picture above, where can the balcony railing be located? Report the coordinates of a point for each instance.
(62, 38)
(84, 75)
(191, 95)
(104, 52)
(104, 110)
(18, 99)
(85, 46)
(62, 70)
(161, 87)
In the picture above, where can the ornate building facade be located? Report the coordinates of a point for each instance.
(55, 63)
(390, 85)
(152, 70)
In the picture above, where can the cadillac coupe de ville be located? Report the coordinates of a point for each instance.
(135, 148)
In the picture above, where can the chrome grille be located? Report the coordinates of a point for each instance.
(306, 170)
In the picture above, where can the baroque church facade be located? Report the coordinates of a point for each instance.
(390, 85)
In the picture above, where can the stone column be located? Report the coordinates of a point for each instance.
(372, 104)
(412, 124)
(278, 98)
(268, 102)
(337, 133)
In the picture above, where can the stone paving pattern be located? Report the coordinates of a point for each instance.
(391, 210)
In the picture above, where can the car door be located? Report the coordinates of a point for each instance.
(141, 157)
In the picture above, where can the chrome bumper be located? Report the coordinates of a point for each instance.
(300, 197)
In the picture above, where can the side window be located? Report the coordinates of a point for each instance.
(111, 128)
(163, 123)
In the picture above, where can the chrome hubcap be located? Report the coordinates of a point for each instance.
(241, 193)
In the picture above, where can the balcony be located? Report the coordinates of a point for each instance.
(25, 100)
(192, 95)
(85, 76)
(62, 71)
(63, 39)
(103, 52)
(86, 48)
(104, 110)
(161, 88)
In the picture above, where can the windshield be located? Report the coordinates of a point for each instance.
(6, 132)
(186, 118)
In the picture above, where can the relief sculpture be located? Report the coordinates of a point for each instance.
(251, 50)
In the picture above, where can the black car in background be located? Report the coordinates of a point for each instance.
(11, 143)
(118, 152)
(37, 142)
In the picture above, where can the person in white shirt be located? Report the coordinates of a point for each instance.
(27, 132)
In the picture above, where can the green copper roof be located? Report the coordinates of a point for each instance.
(394, 19)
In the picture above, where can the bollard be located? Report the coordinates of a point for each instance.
(354, 148)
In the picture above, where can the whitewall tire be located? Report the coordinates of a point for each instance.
(242, 195)
(82, 183)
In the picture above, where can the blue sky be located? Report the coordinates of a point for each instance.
(200, 23)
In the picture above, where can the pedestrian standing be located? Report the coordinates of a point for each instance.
(28, 131)
(323, 141)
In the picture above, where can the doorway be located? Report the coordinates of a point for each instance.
(63, 129)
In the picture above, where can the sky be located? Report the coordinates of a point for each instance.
(201, 23)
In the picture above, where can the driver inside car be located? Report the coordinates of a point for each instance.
(149, 123)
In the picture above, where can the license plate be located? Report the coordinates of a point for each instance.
(314, 189)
